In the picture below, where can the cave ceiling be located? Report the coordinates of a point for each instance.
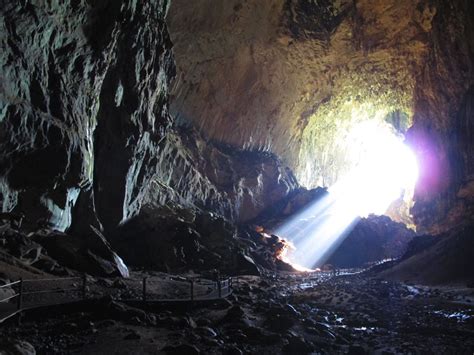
(281, 76)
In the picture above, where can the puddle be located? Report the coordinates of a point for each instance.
(365, 329)
(413, 290)
(459, 316)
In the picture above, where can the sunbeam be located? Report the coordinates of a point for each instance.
(384, 169)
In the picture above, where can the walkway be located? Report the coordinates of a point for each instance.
(22, 295)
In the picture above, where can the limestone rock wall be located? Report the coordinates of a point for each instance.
(85, 129)
(83, 94)
(236, 184)
(443, 129)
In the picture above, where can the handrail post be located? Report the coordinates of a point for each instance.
(84, 285)
(144, 290)
(219, 288)
(20, 294)
(192, 289)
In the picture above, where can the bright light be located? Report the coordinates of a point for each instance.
(382, 170)
(284, 256)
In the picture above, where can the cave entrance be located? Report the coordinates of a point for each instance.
(370, 170)
(380, 170)
(357, 148)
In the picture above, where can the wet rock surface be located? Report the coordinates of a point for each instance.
(280, 313)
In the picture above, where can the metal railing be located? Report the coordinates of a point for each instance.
(192, 289)
(19, 282)
(22, 291)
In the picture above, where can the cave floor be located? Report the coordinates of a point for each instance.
(283, 313)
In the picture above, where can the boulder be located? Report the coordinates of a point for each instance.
(120, 311)
(374, 238)
(91, 254)
(246, 265)
(20, 245)
(10, 346)
(175, 238)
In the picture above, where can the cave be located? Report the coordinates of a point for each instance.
(236, 176)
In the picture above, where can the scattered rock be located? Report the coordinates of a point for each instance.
(119, 283)
(91, 254)
(206, 331)
(120, 311)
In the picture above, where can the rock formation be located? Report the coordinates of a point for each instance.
(88, 135)
(437, 260)
(373, 239)
(84, 105)
(236, 184)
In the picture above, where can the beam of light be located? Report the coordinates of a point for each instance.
(383, 169)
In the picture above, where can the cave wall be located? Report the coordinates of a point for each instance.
(443, 121)
(285, 75)
(83, 106)
(236, 184)
(373, 239)
(86, 136)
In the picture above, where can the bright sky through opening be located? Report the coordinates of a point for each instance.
(383, 169)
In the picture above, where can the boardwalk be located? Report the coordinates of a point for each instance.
(7, 310)
(22, 295)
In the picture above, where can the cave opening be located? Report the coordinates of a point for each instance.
(373, 172)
